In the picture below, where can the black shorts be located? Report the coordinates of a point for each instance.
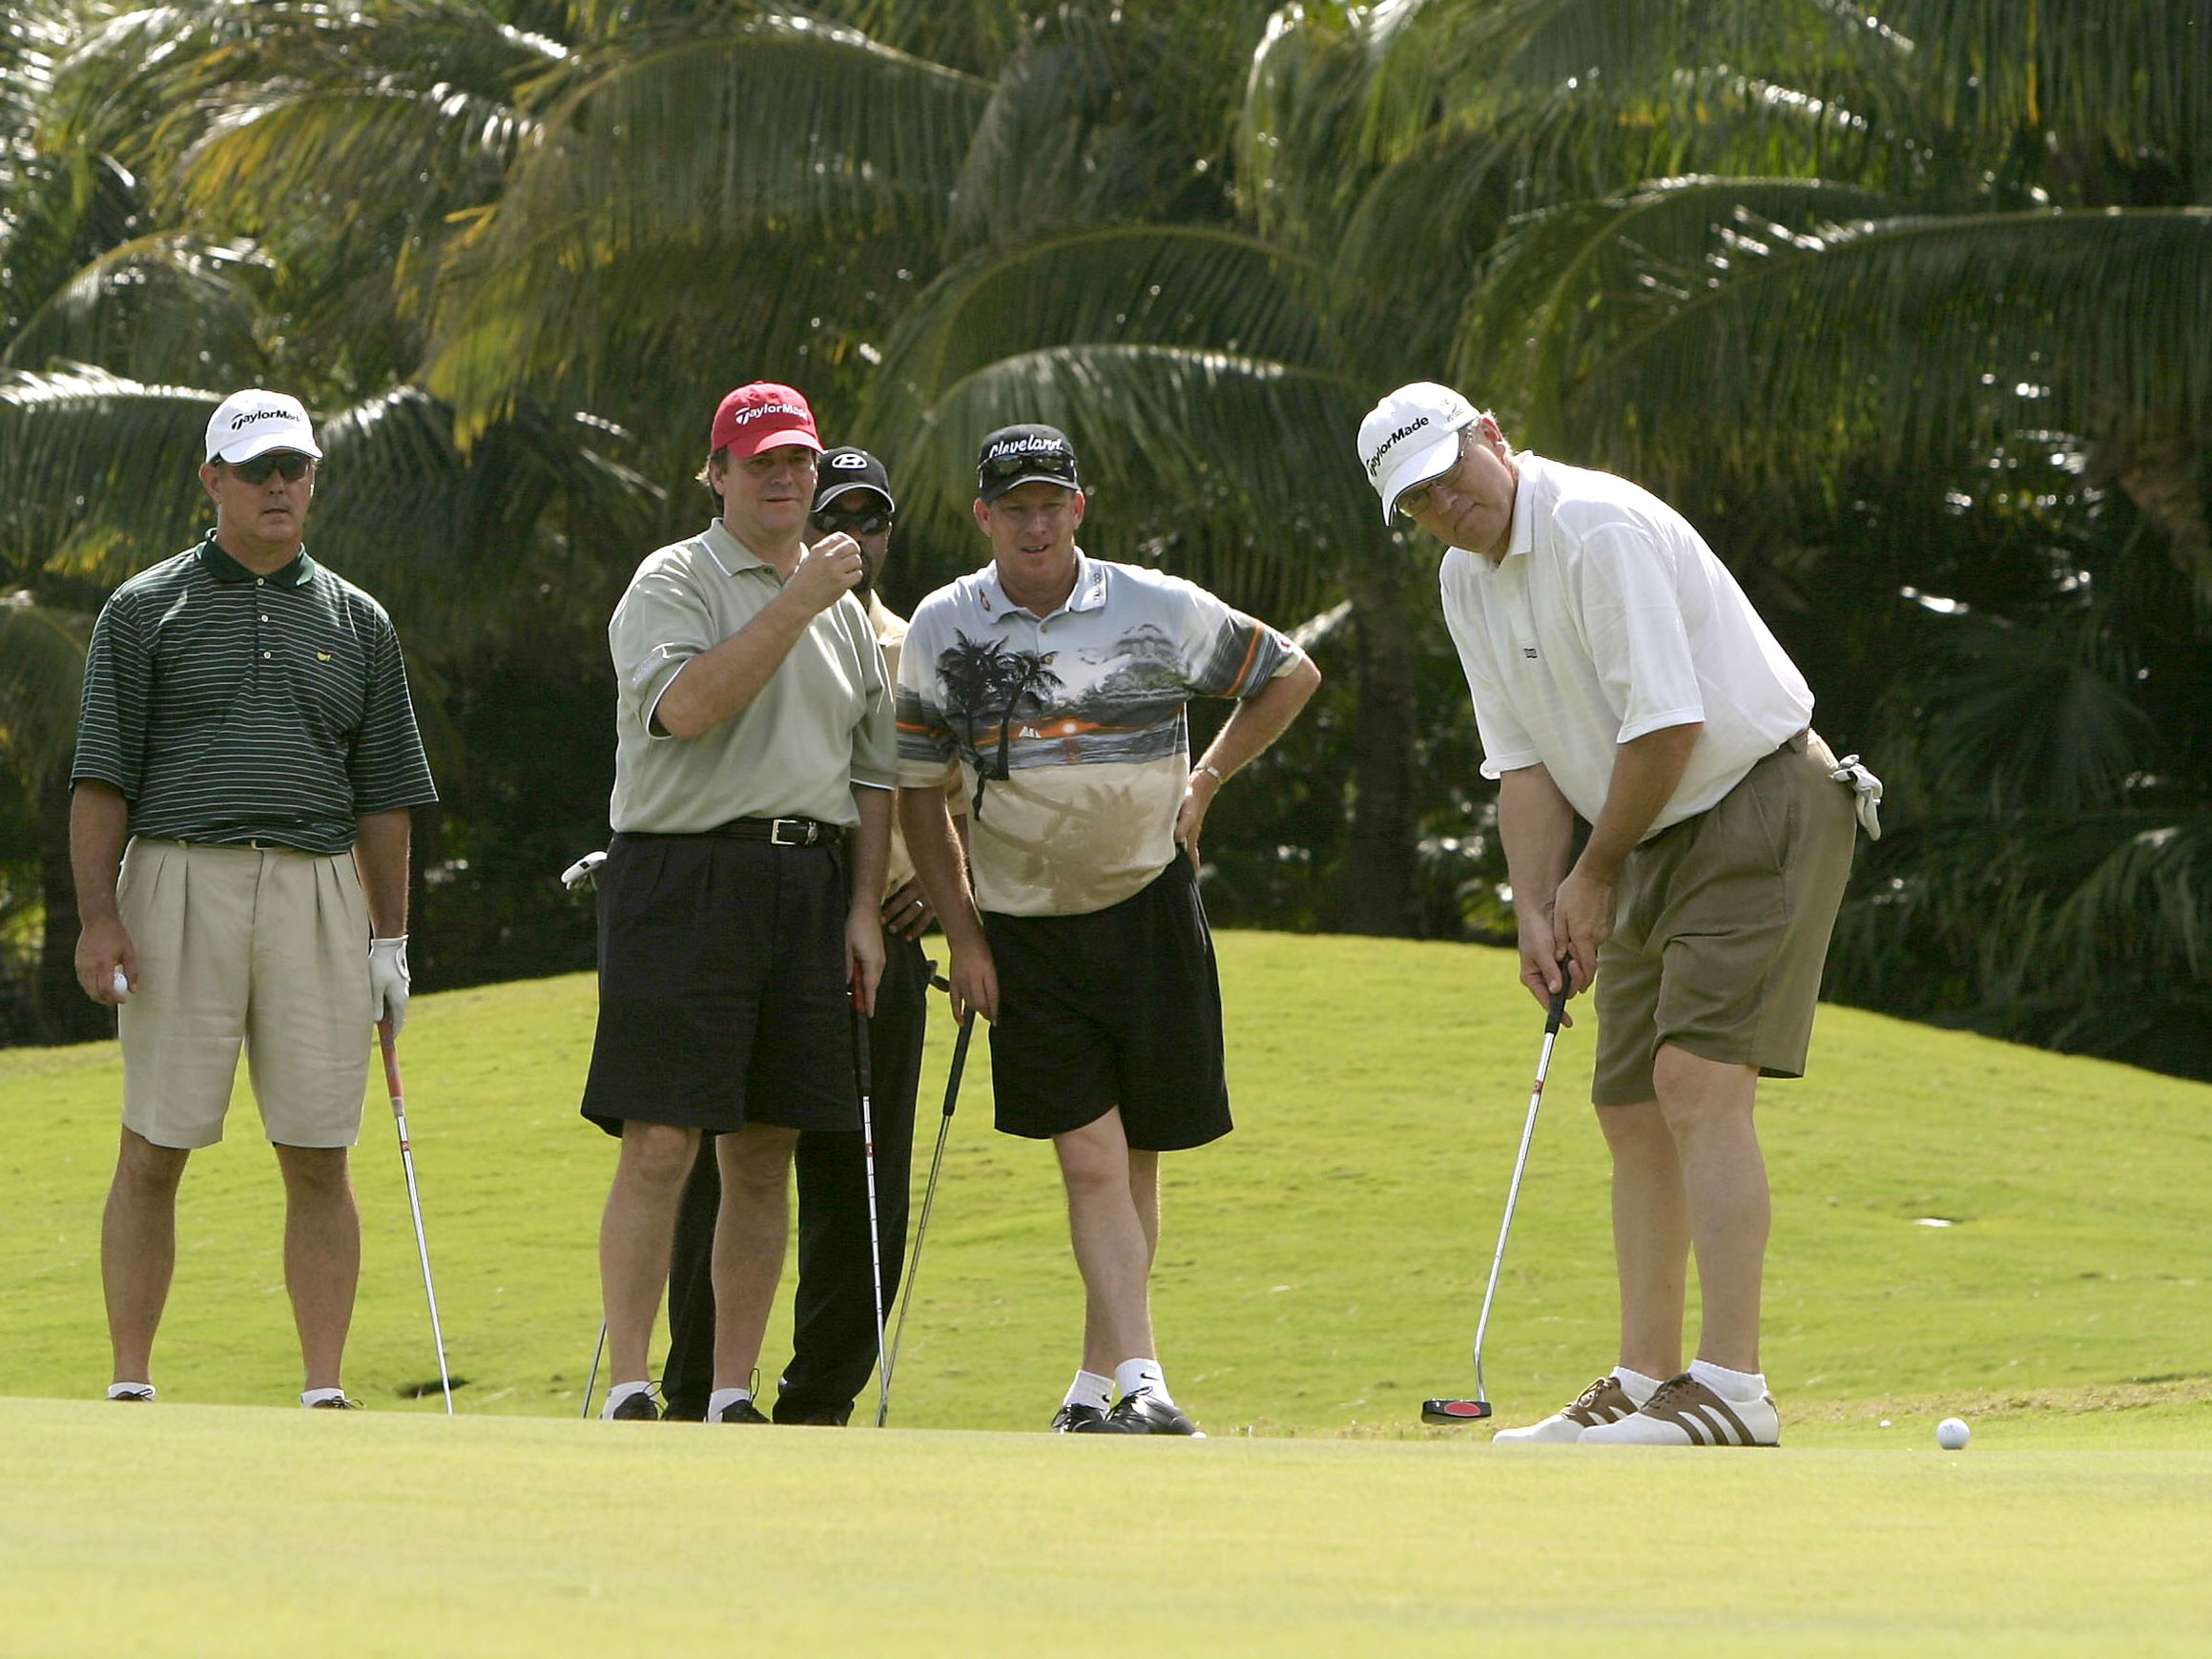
(1120, 1007)
(722, 987)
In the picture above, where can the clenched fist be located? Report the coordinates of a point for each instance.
(827, 569)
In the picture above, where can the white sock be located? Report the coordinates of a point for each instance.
(619, 1392)
(1131, 1375)
(1089, 1388)
(1740, 1386)
(117, 1390)
(317, 1396)
(1635, 1384)
(722, 1399)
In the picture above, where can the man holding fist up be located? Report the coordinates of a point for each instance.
(755, 762)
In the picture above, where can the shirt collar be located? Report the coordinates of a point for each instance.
(225, 569)
(1523, 533)
(1089, 592)
(729, 552)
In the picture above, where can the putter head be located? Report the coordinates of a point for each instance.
(583, 873)
(1450, 1411)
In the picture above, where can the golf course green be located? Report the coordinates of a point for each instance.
(1961, 1228)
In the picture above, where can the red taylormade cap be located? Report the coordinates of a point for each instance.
(763, 416)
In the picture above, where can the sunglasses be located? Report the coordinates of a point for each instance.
(293, 466)
(874, 521)
(1038, 463)
(1411, 502)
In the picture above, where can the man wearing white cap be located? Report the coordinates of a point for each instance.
(246, 760)
(1620, 676)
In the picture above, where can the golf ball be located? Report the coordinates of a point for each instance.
(122, 987)
(1952, 1433)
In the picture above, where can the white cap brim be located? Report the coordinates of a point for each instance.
(1418, 466)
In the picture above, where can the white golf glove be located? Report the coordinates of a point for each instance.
(388, 981)
(1866, 791)
(582, 875)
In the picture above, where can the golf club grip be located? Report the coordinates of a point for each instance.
(960, 1061)
(1557, 1011)
(390, 1046)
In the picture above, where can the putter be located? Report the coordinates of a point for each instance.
(1450, 1411)
(861, 1080)
(952, 1091)
(592, 1381)
(414, 1199)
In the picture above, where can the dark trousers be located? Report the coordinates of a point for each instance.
(833, 1336)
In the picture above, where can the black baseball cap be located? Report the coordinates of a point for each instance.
(844, 469)
(1018, 455)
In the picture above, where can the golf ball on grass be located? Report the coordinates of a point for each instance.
(1952, 1434)
(122, 987)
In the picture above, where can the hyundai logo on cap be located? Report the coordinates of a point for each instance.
(254, 422)
(845, 469)
(1411, 436)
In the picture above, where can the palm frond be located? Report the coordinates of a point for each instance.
(42, 660)
(150, 309)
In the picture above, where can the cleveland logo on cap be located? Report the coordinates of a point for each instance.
(1028, 443)
(1375, 461)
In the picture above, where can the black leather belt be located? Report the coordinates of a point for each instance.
(781, 832)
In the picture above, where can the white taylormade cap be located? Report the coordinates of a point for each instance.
(254, 422)
(1410, 437)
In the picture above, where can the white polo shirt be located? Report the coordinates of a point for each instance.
(1609, 618)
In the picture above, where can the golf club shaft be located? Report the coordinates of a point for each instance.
(1543, 1059)
(591, 1382)
(391, 1049)
(952, 1091)
(861, 1077)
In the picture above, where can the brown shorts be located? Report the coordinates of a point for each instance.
(237, 947)
(1721, 927)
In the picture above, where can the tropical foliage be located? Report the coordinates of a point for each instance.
(1911, 311)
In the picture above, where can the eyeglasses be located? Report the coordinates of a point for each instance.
(873, 521)
(294, 466)
(1411, 502)
(1055, 464)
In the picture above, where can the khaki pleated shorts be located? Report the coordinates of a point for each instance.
(238, 947)
(1722, 926)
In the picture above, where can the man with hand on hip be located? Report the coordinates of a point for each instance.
(246, 760)
(1052, 687)
(1621, 675)
(753, 767)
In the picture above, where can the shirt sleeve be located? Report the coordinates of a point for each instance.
(1638, 640)
(927, 756)
(1227, 653)
(387, 767)
(1506, 745)
(112, 712)
(661, 623)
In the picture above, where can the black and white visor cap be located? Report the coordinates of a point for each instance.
(845, 469)
(1410, 437)
(1013, 456)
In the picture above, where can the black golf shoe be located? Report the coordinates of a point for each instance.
(738, 1411)
(1072, 1418)
(638, 1407)
(1140, 1411)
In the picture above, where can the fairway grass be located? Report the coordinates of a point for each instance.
(206, 1530)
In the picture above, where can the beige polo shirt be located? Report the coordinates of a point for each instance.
(1609, 618)
(820, 726)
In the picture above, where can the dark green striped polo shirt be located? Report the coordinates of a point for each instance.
(230, 707)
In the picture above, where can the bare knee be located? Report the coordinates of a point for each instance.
(1095, 1157)
(755, 1162)
(144, 1170)
(314, 1173)
(1698, 1096)
(1636, 1132)
(657, 1156)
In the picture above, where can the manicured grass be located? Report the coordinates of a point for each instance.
(1321, 1268)
(197, 1531)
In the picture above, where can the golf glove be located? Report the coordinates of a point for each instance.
(388, 981)
(583, 876)
(1867, 793)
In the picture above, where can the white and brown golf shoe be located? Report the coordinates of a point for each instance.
(1604, 1402)
(1686, 1413)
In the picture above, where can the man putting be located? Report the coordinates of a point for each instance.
(832, 1337)
(1053, 686)
(238, 827)
(753, 766)
(1620, 674)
